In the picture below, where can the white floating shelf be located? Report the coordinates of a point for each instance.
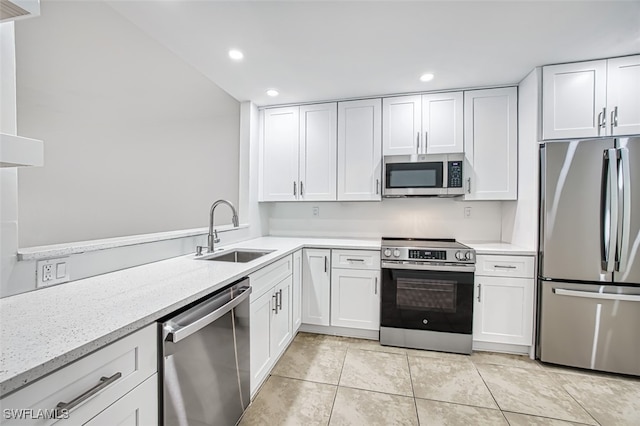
(16, 151)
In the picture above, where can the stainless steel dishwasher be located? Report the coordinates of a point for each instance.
(205, 360)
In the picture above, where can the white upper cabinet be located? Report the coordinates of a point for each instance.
(279, 154)
(402, 125)
(623, 95)
(423, 124)
(491, 147)
(591, 99)
(359, 150)
(298, 153)
(318, 152)
(442, 123)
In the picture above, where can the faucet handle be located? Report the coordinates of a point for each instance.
(215, 236)
(199, 250)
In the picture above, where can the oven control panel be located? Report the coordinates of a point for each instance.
(428, 254)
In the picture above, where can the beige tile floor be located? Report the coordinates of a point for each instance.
(327, 380)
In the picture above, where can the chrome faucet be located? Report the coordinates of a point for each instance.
(213, 234)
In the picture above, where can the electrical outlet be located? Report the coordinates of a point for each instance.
(52, 271)
(467, 212)
(316, 211)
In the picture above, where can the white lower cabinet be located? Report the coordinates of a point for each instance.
(118, 374)
(355, 298)
(316, 286)
(503, 306)
(271, 317)
(137, 408)
(296, 291)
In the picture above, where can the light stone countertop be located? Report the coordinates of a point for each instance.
(44, 330)
(492, 247)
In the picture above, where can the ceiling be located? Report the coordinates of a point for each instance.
(327, 50)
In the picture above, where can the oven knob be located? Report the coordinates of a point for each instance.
(387, 252)
(467, 256)
(459, 255)
(396, 253)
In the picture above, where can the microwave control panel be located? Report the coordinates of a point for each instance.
(455, 174)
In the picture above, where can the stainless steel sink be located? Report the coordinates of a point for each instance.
(235, 255)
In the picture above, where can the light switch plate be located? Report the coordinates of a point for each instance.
(52, 271)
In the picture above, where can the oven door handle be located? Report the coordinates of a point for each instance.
(419, 267)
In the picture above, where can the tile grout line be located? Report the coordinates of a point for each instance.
(413, 390)
(557, 381)
(489, 389)
(338, 385)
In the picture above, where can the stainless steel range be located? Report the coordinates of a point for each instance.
(427, 294)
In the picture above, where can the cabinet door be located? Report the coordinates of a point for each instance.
(137, 408)
(359, 150)
(355, 298)
(401, 125)
(623, 95)
(318, 148)
(261, 352)
(503, 310)
(573, 97)
(296, 291)
(282, 327)
(279, 154)
(442, 123)
(316, 282)
(491, 147)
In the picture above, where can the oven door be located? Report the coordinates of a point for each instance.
(410, 175)
(427, 299)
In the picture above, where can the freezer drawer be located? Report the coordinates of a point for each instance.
(590, 326)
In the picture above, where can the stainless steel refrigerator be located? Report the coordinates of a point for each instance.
(589, 262)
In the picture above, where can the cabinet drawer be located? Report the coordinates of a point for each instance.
(355, 259)
(505, 266)
(123, 364)
(264, 279)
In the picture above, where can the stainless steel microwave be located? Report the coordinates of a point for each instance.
(423, 175)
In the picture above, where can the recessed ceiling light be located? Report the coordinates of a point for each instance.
(235, 54)
(272, 92)
(426, 77)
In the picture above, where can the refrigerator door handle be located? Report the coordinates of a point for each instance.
(609, 209)
(595, 295)
(624, 221)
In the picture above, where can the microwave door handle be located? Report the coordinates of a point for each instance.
(624, 224)
(609, 209)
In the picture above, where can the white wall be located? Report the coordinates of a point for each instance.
(418, 218)
(136, 140)
(520, 218)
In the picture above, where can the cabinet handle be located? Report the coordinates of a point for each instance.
(479, 291)
(104, 382)
(375, 290)
(614, 118)
(426, 141)
(325, 264)
(355, 260)
(301, 189)
(602, 119)
(469, 185)
(275, 303)
(279, 298)
(295, 192)
(504, 266)
(418, 143)
(377, 186)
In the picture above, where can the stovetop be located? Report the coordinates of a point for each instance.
(426, 250)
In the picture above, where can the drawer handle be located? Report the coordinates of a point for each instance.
(504, 266)
(104, 382)
(355, 260)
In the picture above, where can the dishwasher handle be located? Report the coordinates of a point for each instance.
(175, 334)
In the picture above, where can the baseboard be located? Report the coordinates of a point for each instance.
(341, 331)
(502, 347)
